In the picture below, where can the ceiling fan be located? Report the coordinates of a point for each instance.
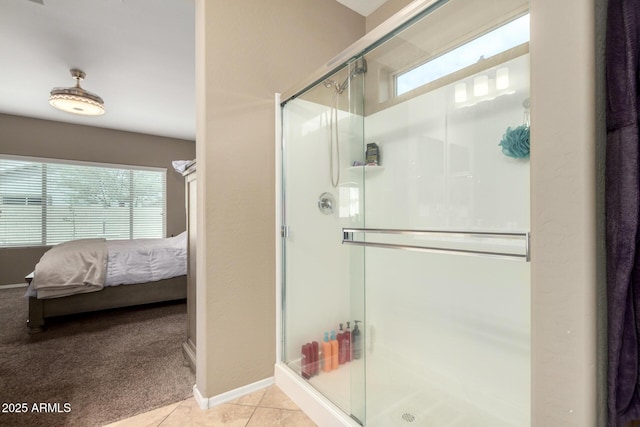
(38, 1)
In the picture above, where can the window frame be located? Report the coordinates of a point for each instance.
(45, 200)
(412, 67)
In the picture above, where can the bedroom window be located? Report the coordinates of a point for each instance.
(45, 202)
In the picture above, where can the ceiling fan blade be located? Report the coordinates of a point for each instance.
(38, 1)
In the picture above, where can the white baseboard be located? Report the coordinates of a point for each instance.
(17, 285)
(202, 401)
(206, 403)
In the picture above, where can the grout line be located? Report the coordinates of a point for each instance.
(281, 409)
(169, 414)
(240, 404)
(263, 395)
(276, 407)
(255, 408)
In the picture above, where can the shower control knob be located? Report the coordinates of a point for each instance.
(325, 203)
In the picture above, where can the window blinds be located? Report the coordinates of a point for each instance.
(45, 202)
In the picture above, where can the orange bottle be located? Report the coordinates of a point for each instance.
(326, 350)
(334, 351)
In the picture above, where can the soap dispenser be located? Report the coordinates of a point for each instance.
(356, 341)
(326, 350)
(334, 351)
(341, 347)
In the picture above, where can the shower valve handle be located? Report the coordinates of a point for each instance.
(325, 203)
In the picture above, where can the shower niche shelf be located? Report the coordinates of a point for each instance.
(367, 169)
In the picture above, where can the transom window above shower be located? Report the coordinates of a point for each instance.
(492, 43)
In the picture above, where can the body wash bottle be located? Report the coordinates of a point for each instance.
(326, 349)
(334, 351)
(341, 347)
(356, 341)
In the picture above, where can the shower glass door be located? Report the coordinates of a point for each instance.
(323, 280)
(447, 320)
(406, 193)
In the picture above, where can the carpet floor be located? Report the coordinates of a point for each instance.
(90, 369)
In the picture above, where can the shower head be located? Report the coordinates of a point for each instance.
(359, 67)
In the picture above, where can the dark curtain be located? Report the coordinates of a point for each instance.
(622, 210)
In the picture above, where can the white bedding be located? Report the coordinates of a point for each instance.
(146, 260)
(74, 267)
(127, 262)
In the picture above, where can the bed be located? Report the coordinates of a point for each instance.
(95, 274)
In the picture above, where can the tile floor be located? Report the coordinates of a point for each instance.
(269, 407)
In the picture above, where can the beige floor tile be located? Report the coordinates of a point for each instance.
(270, 417)
(251, 399)
(275, 398)
(189, 414)
(148, 419)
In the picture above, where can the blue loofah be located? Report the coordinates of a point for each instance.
(515, 142)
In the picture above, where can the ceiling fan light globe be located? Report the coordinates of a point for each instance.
(76, 105)
(75, 99)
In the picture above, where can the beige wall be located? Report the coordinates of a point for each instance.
(246, 52)
(25, 136)
(564, 224)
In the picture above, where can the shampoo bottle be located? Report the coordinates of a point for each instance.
(341, 347)
(356, 341)
(306, 361)
(303, 361)
(334, 351)
(347, 342)
(326, 350)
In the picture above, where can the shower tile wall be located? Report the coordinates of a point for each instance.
(443, 165)
(447, 335)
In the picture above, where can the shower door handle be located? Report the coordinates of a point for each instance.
(349, 239)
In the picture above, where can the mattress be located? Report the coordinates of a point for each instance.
(140, 261)
(145, 260)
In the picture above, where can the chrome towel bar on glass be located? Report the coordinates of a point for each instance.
(347, 239)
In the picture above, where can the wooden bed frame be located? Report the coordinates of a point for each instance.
(109, 297)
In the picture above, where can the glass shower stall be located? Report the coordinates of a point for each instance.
(405, 219)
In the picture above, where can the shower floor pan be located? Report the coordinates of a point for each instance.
(389, 404)
(396, 397)
(427, 410)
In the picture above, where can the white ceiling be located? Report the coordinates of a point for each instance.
(363, 7)
(138, 55)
